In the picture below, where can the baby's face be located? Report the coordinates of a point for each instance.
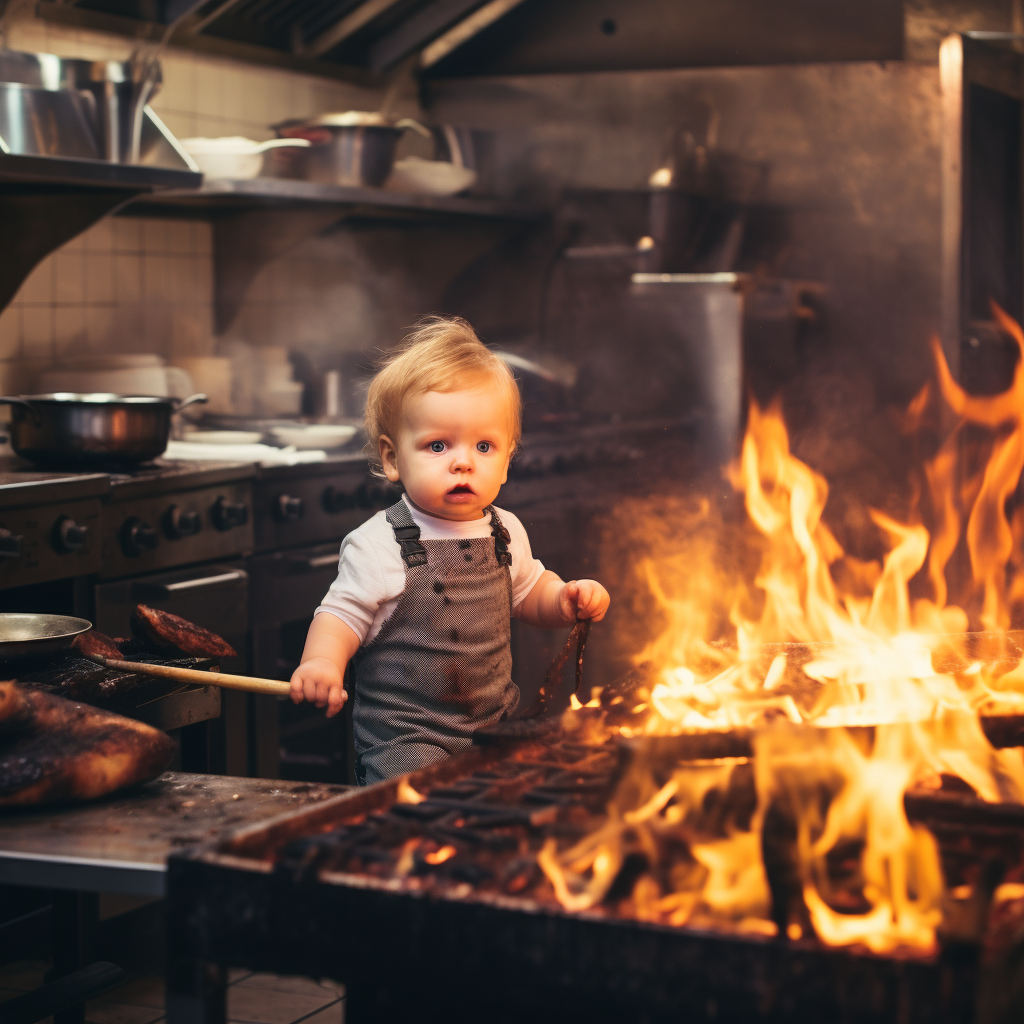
(452, 451)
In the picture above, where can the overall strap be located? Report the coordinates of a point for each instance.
(407, 533)
(501, 538)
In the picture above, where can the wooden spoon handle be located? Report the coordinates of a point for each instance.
(200, 678)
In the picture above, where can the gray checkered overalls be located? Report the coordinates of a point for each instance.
(441, 665)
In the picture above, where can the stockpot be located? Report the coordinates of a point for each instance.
(98, 431)
(355, 148)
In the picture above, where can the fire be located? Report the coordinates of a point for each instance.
(858, 678)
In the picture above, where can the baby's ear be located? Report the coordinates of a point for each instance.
(388, 458)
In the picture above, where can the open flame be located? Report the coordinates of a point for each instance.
(859, 679)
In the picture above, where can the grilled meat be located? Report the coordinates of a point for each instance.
(53, 749)
(166, 630)
(96, 644)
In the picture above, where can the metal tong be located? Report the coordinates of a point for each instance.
(553, 676)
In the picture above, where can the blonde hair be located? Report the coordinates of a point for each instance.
(441, 354)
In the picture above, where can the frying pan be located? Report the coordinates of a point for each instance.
(24, 634)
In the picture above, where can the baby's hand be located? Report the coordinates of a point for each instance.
(320, 682)
(583, 599)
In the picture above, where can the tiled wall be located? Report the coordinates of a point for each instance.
(142, 284)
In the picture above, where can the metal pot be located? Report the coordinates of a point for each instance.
(355, 148)
(92, 431)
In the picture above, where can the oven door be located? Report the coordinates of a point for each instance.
(215, 597)
(293, 741)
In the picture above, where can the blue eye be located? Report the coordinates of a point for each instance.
(483, 446)
(437, 446)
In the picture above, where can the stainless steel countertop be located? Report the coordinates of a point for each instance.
(120, 844)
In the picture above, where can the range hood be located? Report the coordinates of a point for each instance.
(361, 39)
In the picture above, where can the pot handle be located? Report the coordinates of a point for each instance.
(409, 122)
(36, 415)
(182, 403)
(278, 143)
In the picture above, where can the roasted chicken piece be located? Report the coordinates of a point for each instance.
(53, 749)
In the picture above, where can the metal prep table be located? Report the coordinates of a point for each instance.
(120, 845)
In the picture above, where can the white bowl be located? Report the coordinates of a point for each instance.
(232, 156)
(316, 435)
(433, 177)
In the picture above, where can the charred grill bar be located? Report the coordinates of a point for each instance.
(430, 904)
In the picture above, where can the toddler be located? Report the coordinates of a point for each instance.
(426, 589)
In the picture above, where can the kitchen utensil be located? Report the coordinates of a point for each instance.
(42, 122)
(353, 148)
(315, 435)
(553, 676)
(69, 429)
(224, 436)
(225, 680)
(24, 634)
(234, 156)
(56, 106)
(115, 95)
(431, 177)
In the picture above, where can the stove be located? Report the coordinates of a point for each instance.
(174, 513)
(49, 525)
(424, 896)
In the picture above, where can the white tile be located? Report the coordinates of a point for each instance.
(128, 278)
(100, 237)
(10, 332)
(156, 330)
(37, 330)
(99, 278)
(70, 333)
(179, 237)
(127, 234)
(209, 89)
(177, 93)
(202, 238)
(38, 286)
(127, 332)
(99, 326)
(154, 235)
(69, 276)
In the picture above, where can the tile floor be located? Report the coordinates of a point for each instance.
(252, 998)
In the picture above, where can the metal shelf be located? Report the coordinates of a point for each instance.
(46, 200)
(216, 197)
(44, 173)
(257, 220)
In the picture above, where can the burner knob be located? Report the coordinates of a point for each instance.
(178, 523)
(288, 509)
(228, 514)
(336, 501)
(69, 537)
(137, 536)
(10, 544)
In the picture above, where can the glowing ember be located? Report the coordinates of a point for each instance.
(859, 679)
(440, 856)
